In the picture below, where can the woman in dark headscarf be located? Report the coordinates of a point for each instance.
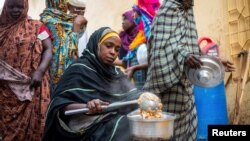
(90, 82)
(24, 81)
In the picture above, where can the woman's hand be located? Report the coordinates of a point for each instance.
(79, 22)
(193, 61)
(130, 71)
(36, 79)
(37, 76)
(95, 106)
(229, 67)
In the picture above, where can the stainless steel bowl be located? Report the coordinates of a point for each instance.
(161, 128)
(210, 74)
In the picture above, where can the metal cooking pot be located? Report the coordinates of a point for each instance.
(161, 128)
(210, 74)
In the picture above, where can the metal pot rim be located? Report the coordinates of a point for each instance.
(166, 117)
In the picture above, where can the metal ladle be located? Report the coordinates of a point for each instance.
(143, 101)
(149, 102)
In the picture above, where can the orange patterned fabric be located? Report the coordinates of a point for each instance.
(20, 48)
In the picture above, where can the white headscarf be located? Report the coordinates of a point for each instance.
(78, 3)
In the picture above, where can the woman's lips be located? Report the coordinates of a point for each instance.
(111, 59)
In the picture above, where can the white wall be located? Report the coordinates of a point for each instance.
(210, 16)
(98, 12)
(1, 5)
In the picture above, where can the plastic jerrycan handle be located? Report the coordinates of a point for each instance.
(208, 46)
(209, 41)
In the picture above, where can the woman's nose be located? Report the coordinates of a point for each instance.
(15, 9)
(112, 51)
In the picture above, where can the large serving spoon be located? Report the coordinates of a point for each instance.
(146, 102)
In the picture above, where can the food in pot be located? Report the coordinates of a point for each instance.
(150, 106)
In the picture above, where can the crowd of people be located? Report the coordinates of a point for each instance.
(49, 66)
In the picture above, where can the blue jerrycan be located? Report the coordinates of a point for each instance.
(211, 103)
(211, 108)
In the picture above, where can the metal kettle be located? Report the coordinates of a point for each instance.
(210, 74)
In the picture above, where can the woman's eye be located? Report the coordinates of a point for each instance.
(109, 45)
(20, 7)
(117, 49)
(10, 7)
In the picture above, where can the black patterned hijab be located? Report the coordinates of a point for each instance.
(87, 79)
(91, 54)
(92, 73)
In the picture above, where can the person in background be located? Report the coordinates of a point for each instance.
(127, 36)
(78, 7)
(144, 13)
(92, 81)
(172, 46)
(64, 28)
(25, 53)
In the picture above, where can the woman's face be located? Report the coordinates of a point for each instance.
(109, 50)
(135, 14)
(15, 8)
(126, 24)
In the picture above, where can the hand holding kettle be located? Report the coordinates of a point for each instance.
(193, 61)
